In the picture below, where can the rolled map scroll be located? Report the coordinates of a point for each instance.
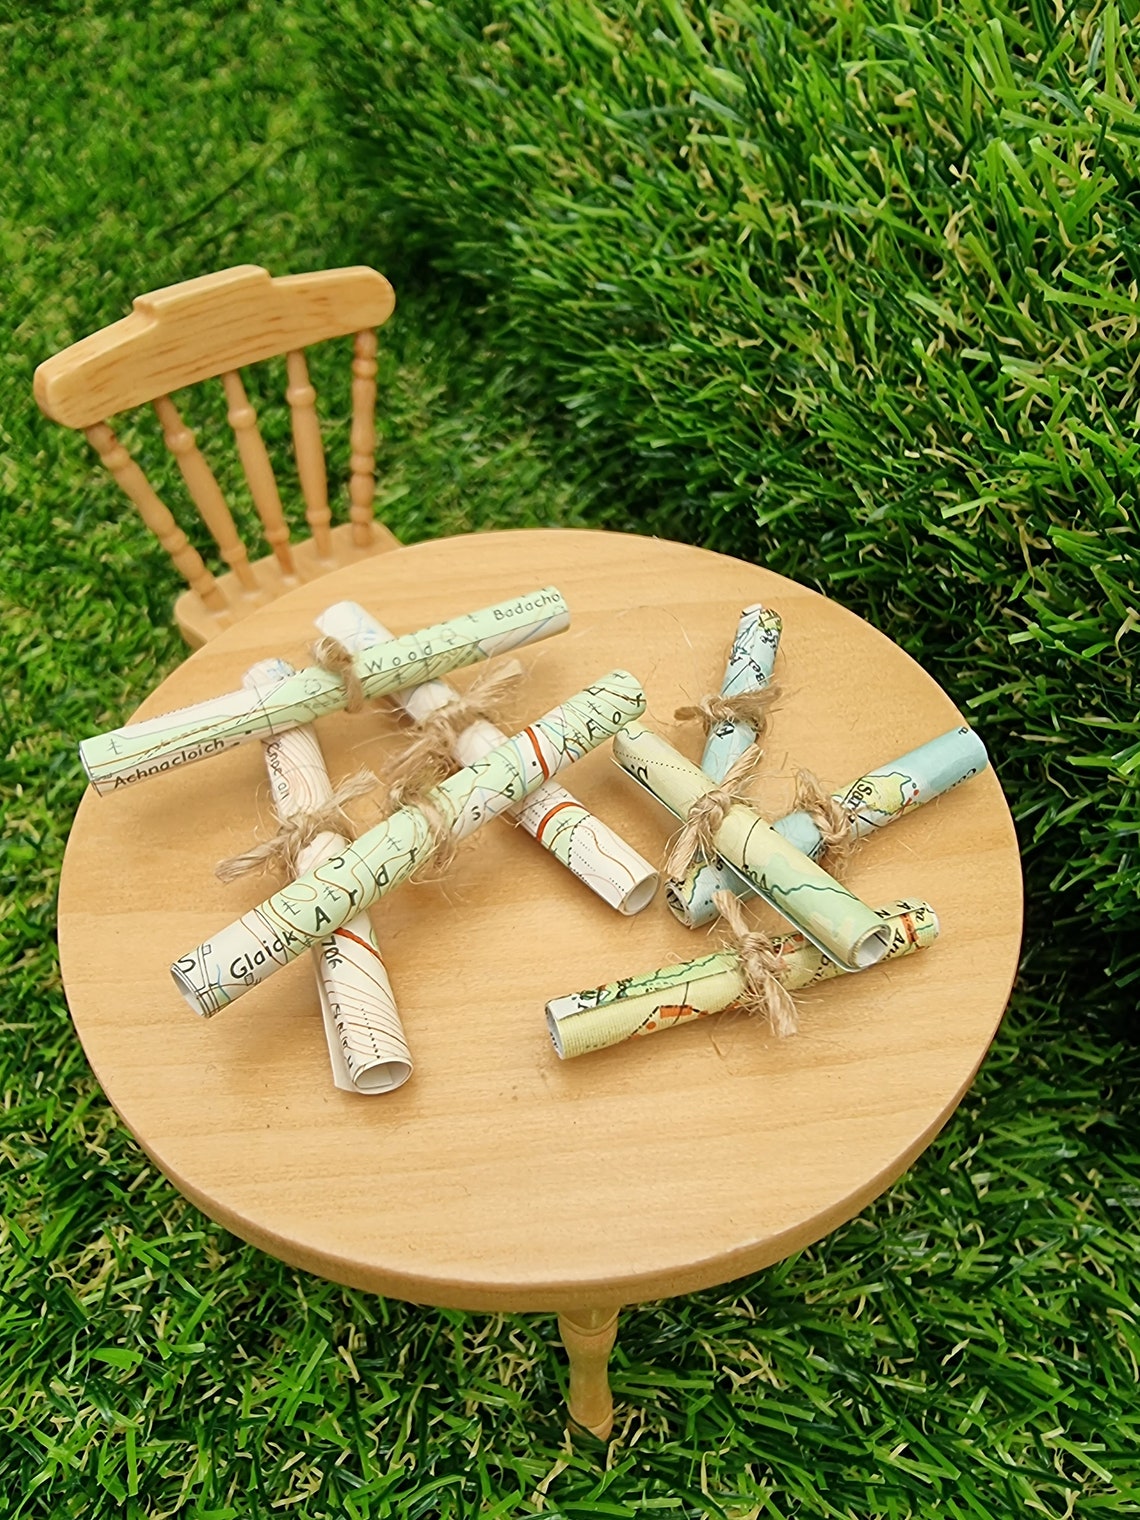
(325, 899)
(139, 750)
(750, 664)
(641, 1005)
(367, 1045)
(587, 847)
(751, 661)
(822, 909)
(873, 801)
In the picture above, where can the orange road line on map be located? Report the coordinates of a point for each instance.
(529, 732)
(356, 939)
(557, 808)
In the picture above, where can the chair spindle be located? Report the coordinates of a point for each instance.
(211, 328)
(258, 470)
(361, 486)
(309, 451)
(154, 512)
(205, 490)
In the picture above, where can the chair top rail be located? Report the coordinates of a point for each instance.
(204, 328)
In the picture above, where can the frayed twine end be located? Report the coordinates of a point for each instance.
(331, 655)
(431, 752)
(762, 963)
(418, 792)
(695, 841)
(751, 707)
(835, 824)
(299, 830)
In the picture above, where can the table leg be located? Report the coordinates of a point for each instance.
(588, 1335)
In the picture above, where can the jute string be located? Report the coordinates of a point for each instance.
(282, 851)
(831, 818)
(299, 830)
(762, 963)
(751, 707)
(431, 752)
(416, 792)
(695, 840)
(331, 655)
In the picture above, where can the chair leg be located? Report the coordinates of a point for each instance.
(588, 1335)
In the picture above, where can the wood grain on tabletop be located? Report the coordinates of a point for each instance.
(499, 1177)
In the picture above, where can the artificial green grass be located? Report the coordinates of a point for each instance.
(969, 1345)
(853, 288)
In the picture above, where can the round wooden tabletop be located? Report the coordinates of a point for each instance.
(498, 1176)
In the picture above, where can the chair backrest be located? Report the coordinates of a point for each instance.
(211, 328)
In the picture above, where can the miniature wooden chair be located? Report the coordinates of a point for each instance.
(210, 328)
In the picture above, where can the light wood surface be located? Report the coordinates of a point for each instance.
(156, 514)
(499, 1177)
(198, 621)
(589, 1336)
(258, 469)
(204, 490)
(362, 465)
(208, 328)
(308, 449)
(201, 328)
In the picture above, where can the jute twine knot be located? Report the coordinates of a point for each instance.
(751, 707)
(431, 752)
(831, 818)
(417, 792)
(762, 963)
(331, 655)
(297, 831)
(695, 840)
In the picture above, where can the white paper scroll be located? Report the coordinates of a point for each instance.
(586, 846)
(368, 1049)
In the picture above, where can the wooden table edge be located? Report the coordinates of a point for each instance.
(565, 1294)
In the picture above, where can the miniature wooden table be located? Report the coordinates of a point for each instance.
(499, 1178)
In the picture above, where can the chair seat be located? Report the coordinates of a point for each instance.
(198, 623)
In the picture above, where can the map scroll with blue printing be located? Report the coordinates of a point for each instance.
(822, 909)
(872, 802)
(751, 661)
